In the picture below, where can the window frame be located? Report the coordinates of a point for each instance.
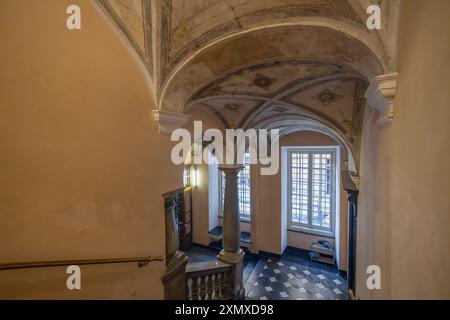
(309, 228)
(187, 176)
(221, 194)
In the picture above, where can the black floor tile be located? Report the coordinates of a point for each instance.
(295, 277)
(292, 276)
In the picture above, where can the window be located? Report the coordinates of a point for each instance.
(243, 189)
(187, 176)
(311, 187)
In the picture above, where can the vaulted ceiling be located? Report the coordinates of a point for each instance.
(262, 63)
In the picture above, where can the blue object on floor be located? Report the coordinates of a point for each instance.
(245, 236)
(216, 231)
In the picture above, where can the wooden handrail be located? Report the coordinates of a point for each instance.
(142, 261)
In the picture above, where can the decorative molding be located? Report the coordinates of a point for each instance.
(381, 94)
(232, 169)
(356, 179)
(327, 96)
(263, 81)
(169, 121)
(350, 180)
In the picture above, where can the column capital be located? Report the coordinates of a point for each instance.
(231, 168)
(381, 94)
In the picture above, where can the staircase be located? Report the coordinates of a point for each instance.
(208, 278)
(221, 278)
(253, 271)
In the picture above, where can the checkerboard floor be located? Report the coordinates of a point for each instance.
(290, 278)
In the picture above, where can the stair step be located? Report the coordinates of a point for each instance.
(249, 282)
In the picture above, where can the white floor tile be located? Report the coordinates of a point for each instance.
(337, 291)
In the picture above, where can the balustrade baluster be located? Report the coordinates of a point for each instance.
(210, 286)
(210, 283)
(226, 285)
(223, 285)
(216, 286)
(220, 285)
(195, 295)
(189, 288)
(202, 287)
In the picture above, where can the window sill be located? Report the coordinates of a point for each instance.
(241, 220)
(312, 232)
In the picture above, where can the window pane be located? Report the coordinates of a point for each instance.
(243, 188)
(310, 185)
(321, 186)
(299, 164)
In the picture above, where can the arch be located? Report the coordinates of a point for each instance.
(341, 31)
(288, 124)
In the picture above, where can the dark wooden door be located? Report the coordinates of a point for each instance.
(185, 223)
(352, 192)
(352, 226)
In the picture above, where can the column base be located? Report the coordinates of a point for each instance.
(231, 257)
(236, 259)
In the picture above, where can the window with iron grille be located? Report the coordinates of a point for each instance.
(311, 187)
(243, 189)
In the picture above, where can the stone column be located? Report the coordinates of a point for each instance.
(231, 252)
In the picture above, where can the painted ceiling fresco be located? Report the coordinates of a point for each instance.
(195, 22)
(250, 95)
(250, 62)
(179, 28)
(288, 54)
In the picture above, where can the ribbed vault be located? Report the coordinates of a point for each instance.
(288, 64)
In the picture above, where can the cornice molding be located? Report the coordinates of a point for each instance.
(169, 121)
(381, 95)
